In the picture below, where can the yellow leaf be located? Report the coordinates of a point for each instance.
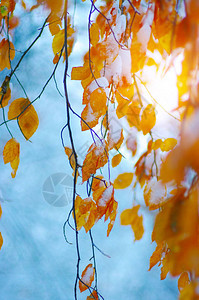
(54, 24)
(87, 277)
(133, 114)
(80, 73)
(168, 144)
(98, 101)
(148, 119)
(116, 160)
(28, 120)
(157, 144)
(137, 226)
(11, 155)
(123, 180)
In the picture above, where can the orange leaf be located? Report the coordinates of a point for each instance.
(1, 240)
(183, 281)
(165, 268)
(96, 158)
(156, 256)
(148, 119)
(123, 180)
(94, 34)
(28, 120)
(71, 157)
(94, 296)
(89, 117)
(54, 6)
(87, 277)
(168, 144)
(86, 213)
(11, 155)
(154, 193)
(116, 160)
(98, 101)
(5, 54)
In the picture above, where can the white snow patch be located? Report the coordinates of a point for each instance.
(106, 196)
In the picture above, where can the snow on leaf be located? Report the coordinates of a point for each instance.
(154, 193)
(89, 119)
(96, 158)
(98, 101)
(123, 180)
(86, 213)
(11, 155)
(27, 117)
(87, 277)
(148, 119)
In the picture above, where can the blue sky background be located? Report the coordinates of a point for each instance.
(35, 260)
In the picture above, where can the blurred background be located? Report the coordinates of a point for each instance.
(35, 260)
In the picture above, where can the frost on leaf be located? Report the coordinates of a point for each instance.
(154, 193)
(11, 155)
(28, 121)
(96, 158)
(87, 278)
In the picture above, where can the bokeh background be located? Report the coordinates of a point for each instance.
(35, 260)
